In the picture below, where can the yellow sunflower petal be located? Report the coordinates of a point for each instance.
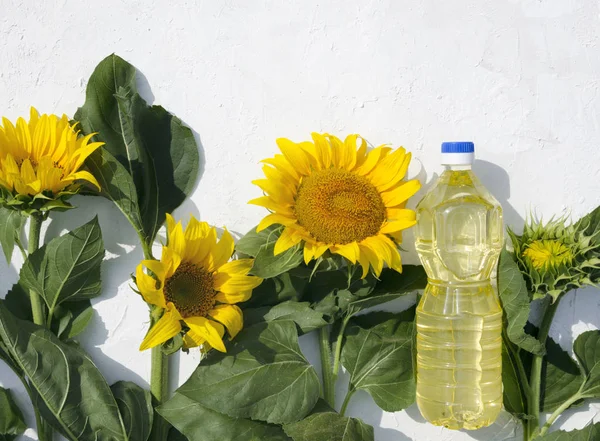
(270, 204)
(279, 192)
(314, 250)
(373, 158)
(350, 251)
(272, 219)
(176, 240)
(233, 298)
(167, 327)
(147, 286)
(374, 260)
(158, 268)
(295, 155)
(238, 267)
(283, 165)
(229, 315)
(212, 331)
(351, 154)
(232, 284)
(400, 194)
(397, 225)
(171, 223)
(221, 253)
(170, 260)
(85, 176)
(323, 150)
(287, 240)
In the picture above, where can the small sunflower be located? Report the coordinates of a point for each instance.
(196, 285)
(41, 160)
(556, 257)
(336, 197)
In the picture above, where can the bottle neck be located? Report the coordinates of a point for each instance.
(461, 167)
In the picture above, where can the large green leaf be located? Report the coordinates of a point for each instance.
(71, 318)
(73, 395)
(392, 285)
(117, 185)
(197, 422)
(11, 224)
(515, 396)
(267, 264)
(324, 424)
(589, 433)
(301, 313)
(287, 286)
(135, 406)
(378, 354)
(561, 378)
(67, 268)
(263, 376)
(252, 241)
(515, 303)
(12, 423)
(587, 350)
(156, 149)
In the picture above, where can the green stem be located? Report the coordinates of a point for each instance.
(159, 388)
(326, 368)
(347, 401)
(37, 305)
(535, 379)
(564, 406)
(338, 348)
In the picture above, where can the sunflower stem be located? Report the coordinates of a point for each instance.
(159, 388)
(347, 400)
(37, 306)
(326, 368)
(338, 348)
(535, 378)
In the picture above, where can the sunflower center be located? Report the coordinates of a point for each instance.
(339, 207)
(544, 254)
(191, 289)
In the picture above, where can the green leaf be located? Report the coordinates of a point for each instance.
(378, 354)
(391, 286)
(587, 350)
(197, 422)
(324, 424)
(300, 312)
(18, 302)
(11, 224)
(589, 433)
(67, 268)
(267, 264)
(73, 395)
(71, 318)
(157, 150)
(252, 241)
(561, 378)
(135, 406)
(263, 376)
(117, 185)
(515, 396)
(12, 423)
(286, 286)
(515, 303)
(590, 225)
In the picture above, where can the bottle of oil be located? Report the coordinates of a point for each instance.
(459, 236)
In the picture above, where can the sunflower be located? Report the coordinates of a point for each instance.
(545, 254)
(557, 256)
(335, 197)
(41, 160)
(196, 285)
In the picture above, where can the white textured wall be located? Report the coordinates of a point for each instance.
(520, 78)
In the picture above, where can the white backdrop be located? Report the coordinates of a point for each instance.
(520, 78)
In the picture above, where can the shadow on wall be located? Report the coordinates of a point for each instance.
(497, 181)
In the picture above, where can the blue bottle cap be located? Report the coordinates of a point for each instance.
(458, 147)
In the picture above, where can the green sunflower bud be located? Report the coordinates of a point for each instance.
(556, 257)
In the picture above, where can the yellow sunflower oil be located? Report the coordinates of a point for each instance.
(459, 236)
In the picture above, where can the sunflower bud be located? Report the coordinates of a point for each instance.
(556, 257)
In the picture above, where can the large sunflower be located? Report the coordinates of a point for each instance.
(334, 196)
(196, 285)
(41, 160)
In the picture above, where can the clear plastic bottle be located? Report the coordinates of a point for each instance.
(459, 236)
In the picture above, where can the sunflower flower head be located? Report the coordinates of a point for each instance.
(41, 161)
(556, 257)
(335, 196)
(196, 285)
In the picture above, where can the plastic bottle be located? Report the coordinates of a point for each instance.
(459, 236)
